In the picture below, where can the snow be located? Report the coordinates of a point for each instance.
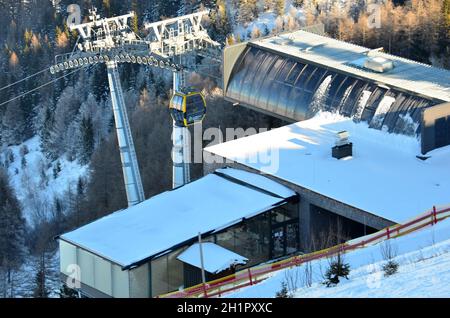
(381, 111)
(258, 181)
(172, 217)
(35, 194)
(424, 259)
(362, 104)
(383, 177)
(215, 258)
(264, 20)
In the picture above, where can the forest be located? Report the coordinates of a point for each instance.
(72, 117)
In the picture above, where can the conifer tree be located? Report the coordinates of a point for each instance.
(12, 231)
(87, 140)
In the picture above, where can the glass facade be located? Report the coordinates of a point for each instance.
(269, 235)
(295, 90)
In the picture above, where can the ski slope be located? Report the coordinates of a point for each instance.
(424, 271)
(35, 185)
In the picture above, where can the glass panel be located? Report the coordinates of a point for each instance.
(292, 76)
(258, 236)
(320, 95)
(292, 238)
(259, 76)
(278, 238)
(363, 100)
(304, 76)
(299, 99)
(226, 239)
(252, 76)
(284, 102)
(274, 96)
(342, 94)
(284, 213)
(195, 105)
(178, 117)
(177, 102)
(372, 104)
(277, 85)
(350, 106)
(286, 79)
(175, 271)
(265, 90)
(296, 105)
(315, 80)
(336, 83)
(249, 239)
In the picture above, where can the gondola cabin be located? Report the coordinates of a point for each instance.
(187, 107)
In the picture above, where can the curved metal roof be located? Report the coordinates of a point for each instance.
(269, 77)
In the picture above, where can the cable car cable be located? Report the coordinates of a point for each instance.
(24, 79)
(39, 87)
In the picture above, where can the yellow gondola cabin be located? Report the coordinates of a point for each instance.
(187, 107)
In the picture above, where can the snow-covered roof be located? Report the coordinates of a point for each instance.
(215, 257)
(384, 177)
(406, 75)
(173, 217)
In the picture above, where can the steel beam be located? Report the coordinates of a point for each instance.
(130, 167)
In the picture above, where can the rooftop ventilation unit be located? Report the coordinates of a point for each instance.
(343, 147)
(378, 64)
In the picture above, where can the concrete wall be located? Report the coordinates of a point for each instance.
(99, 277)
(429, 118)
(140, 282)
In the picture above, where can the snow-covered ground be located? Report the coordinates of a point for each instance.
(268, 22)
(24, 280)
(34, 182)
(36, 188)
(424, 271)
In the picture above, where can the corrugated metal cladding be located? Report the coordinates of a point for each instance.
(288, 88)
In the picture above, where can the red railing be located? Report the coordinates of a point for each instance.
(254, 275)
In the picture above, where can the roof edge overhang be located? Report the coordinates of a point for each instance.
(344, 72)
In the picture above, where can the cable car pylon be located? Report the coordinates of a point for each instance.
(112, 41)
(130, 167)
(181, 146)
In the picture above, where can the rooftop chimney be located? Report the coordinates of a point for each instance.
(343, 147)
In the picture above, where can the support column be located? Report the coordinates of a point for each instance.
(130, 167)
(304, 214)
(181, 145)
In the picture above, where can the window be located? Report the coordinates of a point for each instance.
(293, 74)
(177, 102)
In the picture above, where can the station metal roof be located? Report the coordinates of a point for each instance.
(321, 50)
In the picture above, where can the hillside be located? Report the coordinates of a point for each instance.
(424, 271)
